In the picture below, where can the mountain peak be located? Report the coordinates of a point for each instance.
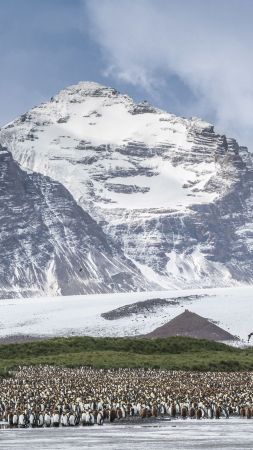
(85, 89)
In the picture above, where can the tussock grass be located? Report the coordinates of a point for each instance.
(175, 353)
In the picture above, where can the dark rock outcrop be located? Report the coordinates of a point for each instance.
(147, 307)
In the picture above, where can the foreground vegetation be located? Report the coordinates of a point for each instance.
(176, 353)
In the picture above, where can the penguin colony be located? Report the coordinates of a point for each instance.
(48, 396)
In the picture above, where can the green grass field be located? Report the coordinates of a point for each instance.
(176, 353)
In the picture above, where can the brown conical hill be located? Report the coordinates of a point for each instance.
(192, 325)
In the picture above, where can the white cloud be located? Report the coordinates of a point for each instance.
(208, 44)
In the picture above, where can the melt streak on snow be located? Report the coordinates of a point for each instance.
(230, 308)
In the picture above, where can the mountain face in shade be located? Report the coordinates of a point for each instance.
(192, 325)
(171, 195)
(49, 245)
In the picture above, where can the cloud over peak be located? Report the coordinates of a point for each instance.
(205, 46)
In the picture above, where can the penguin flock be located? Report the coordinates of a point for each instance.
(50, 396)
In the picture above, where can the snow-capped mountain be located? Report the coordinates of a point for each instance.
(50, 245)
(173, 194)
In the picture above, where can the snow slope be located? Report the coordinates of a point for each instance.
(230, 308)
(171, 193)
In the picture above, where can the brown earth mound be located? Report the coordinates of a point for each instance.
(192, 325)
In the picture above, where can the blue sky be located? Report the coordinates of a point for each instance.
(191, 57)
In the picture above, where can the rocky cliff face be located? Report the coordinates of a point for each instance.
(49, 245)
(175, 196)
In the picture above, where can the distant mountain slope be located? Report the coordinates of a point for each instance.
(175, 195)
(49, 245)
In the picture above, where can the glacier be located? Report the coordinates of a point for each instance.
(81, 315)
